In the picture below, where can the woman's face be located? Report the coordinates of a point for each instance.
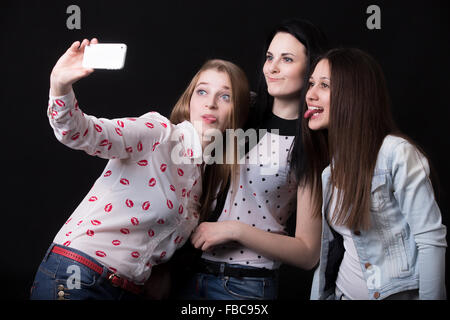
(318, 97)
(211, 102)
(285, 66)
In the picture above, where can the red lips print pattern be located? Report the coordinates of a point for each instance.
(146, 205)
(114, 214)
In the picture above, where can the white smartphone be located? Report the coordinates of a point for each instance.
(105, 56)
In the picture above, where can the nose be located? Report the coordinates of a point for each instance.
(211, 103)
(273, 66)
(311, 94)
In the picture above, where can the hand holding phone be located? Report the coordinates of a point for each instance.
(74, 64)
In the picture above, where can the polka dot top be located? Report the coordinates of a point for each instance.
(145, 203)
(265, 196)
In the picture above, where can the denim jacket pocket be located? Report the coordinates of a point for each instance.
(378, 190)
(402, 257)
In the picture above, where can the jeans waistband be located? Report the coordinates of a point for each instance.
(225, 269)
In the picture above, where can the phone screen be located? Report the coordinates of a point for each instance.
(105, 56)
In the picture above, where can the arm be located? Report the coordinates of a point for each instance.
(117, 138)
(414, 193)
(303, 250)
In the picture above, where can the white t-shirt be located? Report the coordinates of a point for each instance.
(350, 279)
(265, 196)
(144, 205)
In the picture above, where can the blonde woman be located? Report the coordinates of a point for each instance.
(146, 202)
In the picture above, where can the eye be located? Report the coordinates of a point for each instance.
(324, 85)
(269, 57)
(287, 59)
(310, 84)
(226, 97)
(201, 92)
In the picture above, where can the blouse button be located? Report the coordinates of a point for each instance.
(376, 295)
(357, 233)
(367, 265)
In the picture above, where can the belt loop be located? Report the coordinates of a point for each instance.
(222, 267)
(49, 250)
(104, 276)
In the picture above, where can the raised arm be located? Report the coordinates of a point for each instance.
(109, 139)
(68, 69)
(303, 250)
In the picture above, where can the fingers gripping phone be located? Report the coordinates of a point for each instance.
(109, 56)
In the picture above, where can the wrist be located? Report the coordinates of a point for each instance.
(236, 230)
(57, 90)
(58, 87)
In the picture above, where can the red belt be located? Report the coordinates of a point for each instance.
(115, 280)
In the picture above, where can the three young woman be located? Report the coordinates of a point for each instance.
(382, 232)
(145, 204)
(360, 181)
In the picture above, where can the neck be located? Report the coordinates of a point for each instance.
(205, 143)
(286, 108)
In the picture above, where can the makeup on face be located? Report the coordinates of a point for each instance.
(211, 102)
(285, 65)
(318, 97)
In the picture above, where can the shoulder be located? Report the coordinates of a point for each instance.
(395, 144)
(397, 150)
(156, 116)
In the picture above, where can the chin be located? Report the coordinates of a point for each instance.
(315, 126)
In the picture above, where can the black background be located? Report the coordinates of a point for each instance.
(44, 181)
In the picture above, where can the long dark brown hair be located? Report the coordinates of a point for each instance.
(360, 119)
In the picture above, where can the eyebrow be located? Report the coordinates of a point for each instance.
(206, 83)
(283, 54)
(326, 78)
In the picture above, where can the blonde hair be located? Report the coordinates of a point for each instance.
(218, 174)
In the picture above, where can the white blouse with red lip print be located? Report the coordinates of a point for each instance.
(144, 205)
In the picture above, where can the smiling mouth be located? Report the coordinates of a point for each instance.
(273, 79)
(313, 111)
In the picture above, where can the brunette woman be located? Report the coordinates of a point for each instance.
(245, 247)
(382, 236)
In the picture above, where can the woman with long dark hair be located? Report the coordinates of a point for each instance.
(245, 247)
(382, 232)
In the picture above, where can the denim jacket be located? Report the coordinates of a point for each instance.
(404, 249)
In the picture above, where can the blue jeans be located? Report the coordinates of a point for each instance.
(203, 286)
(61, 278)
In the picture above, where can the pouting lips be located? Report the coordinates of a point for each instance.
(209, 118)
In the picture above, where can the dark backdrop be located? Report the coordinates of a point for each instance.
(167, 42)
